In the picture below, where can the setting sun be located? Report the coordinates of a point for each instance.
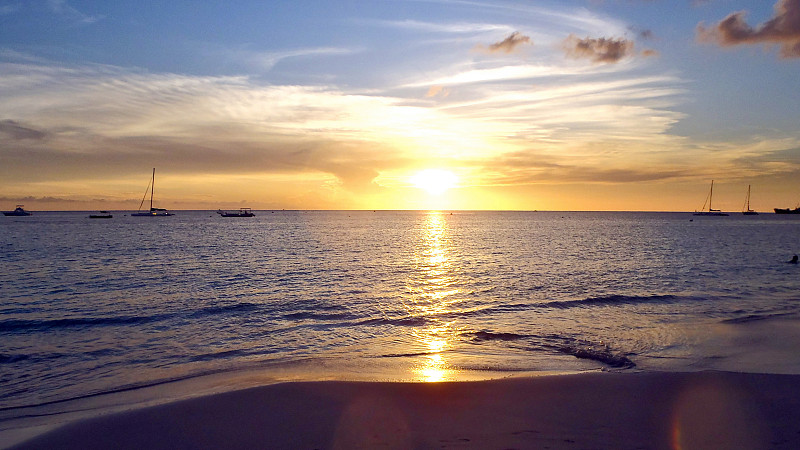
(434, 181)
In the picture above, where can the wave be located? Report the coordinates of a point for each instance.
(610, 300)
(605, 356)
(479, 336)
(223, 309)
(101, 392)
(409, 321)
(607, 300)
(8, 359)
(307, 315)
(16, 325)
(29, 325)
(556, 343)
(757, 317)
(228, 354)
(407, 355)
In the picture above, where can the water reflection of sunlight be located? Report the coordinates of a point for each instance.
(434, 292)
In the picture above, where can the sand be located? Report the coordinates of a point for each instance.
(585, 411)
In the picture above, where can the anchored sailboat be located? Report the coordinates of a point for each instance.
(153, 212)
(746, 210)
(710, 211)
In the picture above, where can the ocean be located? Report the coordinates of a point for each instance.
(98, 314)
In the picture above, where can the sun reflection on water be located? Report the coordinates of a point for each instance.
(434, 293)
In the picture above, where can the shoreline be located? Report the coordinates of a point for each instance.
(589, 410)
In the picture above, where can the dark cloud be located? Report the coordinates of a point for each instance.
(509, 44)
(599, 50)
(14, 130)
(782, 29)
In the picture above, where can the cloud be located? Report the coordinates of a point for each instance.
(268, 60)
(14, 130)
(507, 45)
(61, 7)
(104, 117)
(437, 91)
(598, 50)
(782, 29)
(431, 27)
(46, 199)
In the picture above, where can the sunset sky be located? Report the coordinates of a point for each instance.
(393, 104)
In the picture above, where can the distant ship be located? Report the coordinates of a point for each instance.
(153, 212)
(18, 211)
(710, 211)
(243, 212)
(746, 210)
(101, 215)
(787, 210)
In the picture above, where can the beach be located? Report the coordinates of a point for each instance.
(598, 410)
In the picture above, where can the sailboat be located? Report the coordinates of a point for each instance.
(153, 212)
(746, 210)
(710, 211)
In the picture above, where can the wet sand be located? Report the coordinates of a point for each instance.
(595, 410)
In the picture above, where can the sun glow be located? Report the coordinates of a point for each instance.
(434, 181)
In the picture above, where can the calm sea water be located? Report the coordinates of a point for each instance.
(90, 307)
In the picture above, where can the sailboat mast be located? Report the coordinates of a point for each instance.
(710, 194)
(748, 197)
(153, 188)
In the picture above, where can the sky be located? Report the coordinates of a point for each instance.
(395, 104)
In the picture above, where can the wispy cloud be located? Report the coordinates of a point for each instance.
(438, 27)
(508, 45)
(267, 60)
(61, 8)
(16, 131)
(782, 29)
(101, 118)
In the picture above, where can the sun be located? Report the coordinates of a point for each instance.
(434, 181)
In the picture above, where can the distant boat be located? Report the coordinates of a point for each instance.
(18, 211)
(710, 211)
(787, 210)
(153, 212)
(101, 215)
(243, 212)
(746, 210)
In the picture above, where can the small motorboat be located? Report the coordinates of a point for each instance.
(18, 211)
(243, 212)
(101, 215)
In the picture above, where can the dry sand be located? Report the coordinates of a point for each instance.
(586, 411)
